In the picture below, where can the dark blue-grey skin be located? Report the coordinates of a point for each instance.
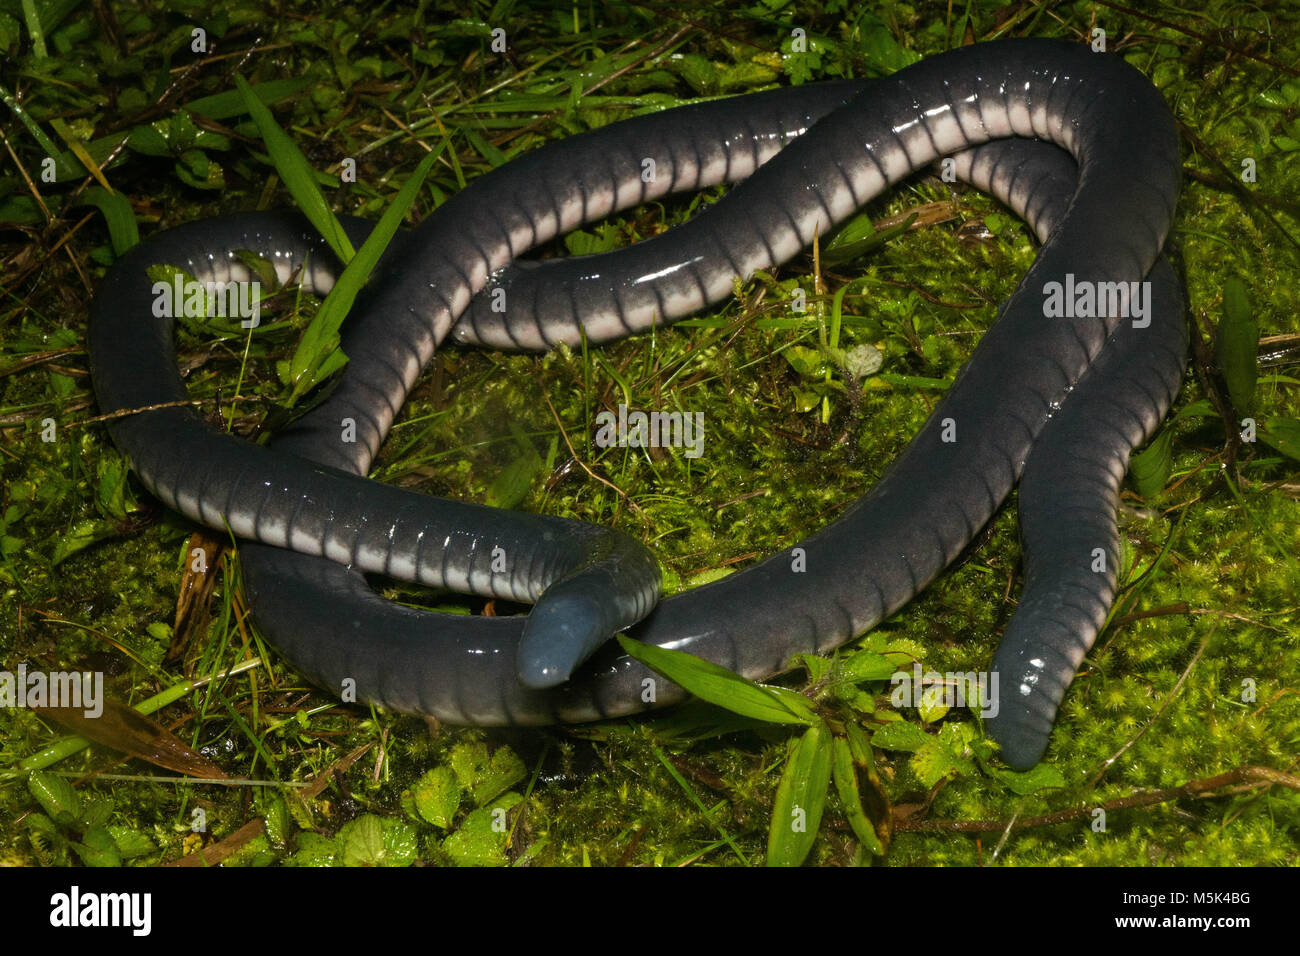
(860, 569)
(587, 581)
(1069, 488)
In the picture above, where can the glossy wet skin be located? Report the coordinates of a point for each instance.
(899, 536)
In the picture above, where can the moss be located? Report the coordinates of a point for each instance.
(1176, 685)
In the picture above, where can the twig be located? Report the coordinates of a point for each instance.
(584, 466)
(212, 855)
(1251, 777)
(1211, 41)
(1182, 679)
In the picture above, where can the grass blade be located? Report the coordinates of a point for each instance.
(297, 173)
(316, 357)
(232, 103)
(720, 686)
(117, 211)
(800, 797)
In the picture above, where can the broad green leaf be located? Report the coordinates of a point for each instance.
(700, 74)
(96, 812)
(900, 735)
(20, 210)
(196, 170)
(1278, 99)
(866, 666)
(1282, 434)
(362, 841)
(945, 755)
(1045, 776)
(481, 839)
(583, 243)
(56, 797)
(809, 363)
(130, 843)
(800, 797)
(880, 47)
(998, 223)
(1151, 467)
(931, 764)
(10, 32)
(486, 777)
(816, 666)
(1203, 408)
(437, 797)
(97, 848)
(513, 482)
(746, 75)
(275, 813)
(859, 745)
(845, 772)
(933, 705)
(1236, 345)
(805, 401)
(118, 214)
(48, 842)
(720, 686)
(112, 488)
(314, 850)
(503, 771)
(373, 841)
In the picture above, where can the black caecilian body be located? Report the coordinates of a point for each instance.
(1061, 400)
